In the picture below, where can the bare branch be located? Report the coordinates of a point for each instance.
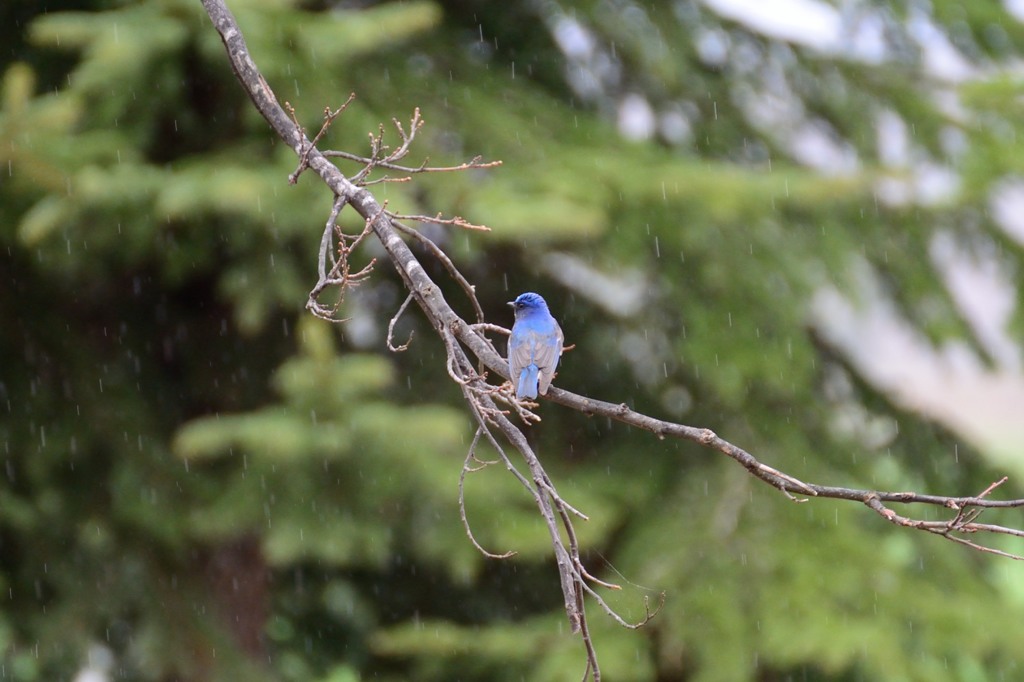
(479, 396)
(488, 327)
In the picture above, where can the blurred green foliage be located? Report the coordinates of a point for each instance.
(213, 485)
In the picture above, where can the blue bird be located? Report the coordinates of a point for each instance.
(534, 347)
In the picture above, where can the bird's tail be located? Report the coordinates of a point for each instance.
(527, 387)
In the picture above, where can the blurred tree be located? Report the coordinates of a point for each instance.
(211, 485)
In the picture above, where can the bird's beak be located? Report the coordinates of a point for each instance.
(512, 303)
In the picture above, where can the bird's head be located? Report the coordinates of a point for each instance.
(527, 303)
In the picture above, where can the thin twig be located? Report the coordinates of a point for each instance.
(391, 328)
(449, 266)
(329, 117)
(456, 221)
(475, 162)
(466, 468)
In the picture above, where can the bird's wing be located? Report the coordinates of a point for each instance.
(520, 352)
(549, 350)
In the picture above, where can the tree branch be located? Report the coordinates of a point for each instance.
(482, 399)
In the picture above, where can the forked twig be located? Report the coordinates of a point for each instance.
(391, 328)
(329, 117)
(467, 468)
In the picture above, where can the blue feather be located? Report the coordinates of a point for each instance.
(527, 387)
